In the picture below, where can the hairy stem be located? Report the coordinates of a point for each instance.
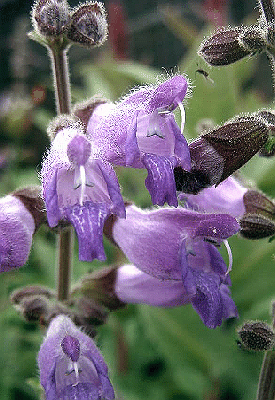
(60, 69)
(266, 387)
(58, 54)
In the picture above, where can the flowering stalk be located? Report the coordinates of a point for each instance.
(58, 54)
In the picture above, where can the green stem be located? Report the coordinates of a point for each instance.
(58, 55)
(266, 388)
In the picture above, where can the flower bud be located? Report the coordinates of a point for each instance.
(257, 336)
(88, 25)
(232, 44)
(50, 17)
(217, 154)
(257, 203)
(254, 226)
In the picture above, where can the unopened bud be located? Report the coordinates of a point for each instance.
(257, 203)
(254, 226)
(88, 25)
(224, 150)
(257, 336)
(269, 118)
(224, 47)
(50, 17)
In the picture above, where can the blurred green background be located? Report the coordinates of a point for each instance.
(152, 353)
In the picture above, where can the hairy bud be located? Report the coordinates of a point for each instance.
(232, 44)
(257, 203)
(50, 17)
(269, 118)
(217, 154)
(88, 26)
(256, 336)
(254, 226)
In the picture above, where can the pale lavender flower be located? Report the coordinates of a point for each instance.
(71, 366)
(17, 226)
(175, 244)
(140, 132)
(80, 188)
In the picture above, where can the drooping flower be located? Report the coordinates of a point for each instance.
(71, 366)
(176, 244)
(20, 215)
(140, 132)
(80, 188)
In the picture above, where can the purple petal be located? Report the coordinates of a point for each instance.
(181, 149)
(168, 94)
(217, 226)
(208, 301)
(160, 181)
(110, 178)
(16, 230)
(88, 221)
(79, 150)
(71, 347)
(134, 286)
(132, 153)
(227, 198)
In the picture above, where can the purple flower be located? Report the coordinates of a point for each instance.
(80, 188)
(227, 197)
(140, 132)
(175, 244)
(17, 226)
(134, 286)
(71, 366)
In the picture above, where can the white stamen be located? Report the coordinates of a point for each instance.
(182, 115)
(82, 183)
(230, 258)
(76, 373)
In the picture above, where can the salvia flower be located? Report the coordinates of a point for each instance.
(17, 226)
(177, 244)
(140, 132)
(71, 366)
(81, 189)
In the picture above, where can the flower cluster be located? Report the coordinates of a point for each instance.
(172, 247)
